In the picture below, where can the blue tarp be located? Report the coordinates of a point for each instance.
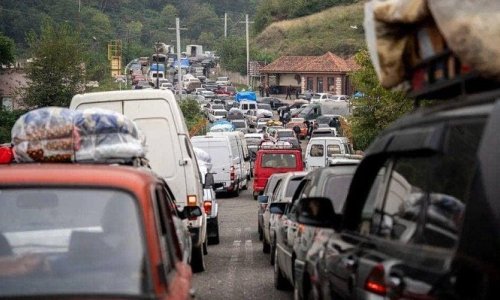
(246, 96)
(184, 63)
(160, 67)
(221, 126)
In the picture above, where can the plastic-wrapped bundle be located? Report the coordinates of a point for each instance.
(45, 134)
(54, 134)
(106, 134)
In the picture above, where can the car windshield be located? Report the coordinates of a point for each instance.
(239, 124)
(264, 106)
(316, 96)
(286, 133)
(218, 106)
(220, 113)
(278, 160)
(90, 242)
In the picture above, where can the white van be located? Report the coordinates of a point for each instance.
(226, 162)
(320, 149)
(245, 106)
(168, 147)
(246, 171)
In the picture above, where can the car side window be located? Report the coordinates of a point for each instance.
(317, 150)
(333, 149)
(276, 191)
(165, 231)
(425, 198)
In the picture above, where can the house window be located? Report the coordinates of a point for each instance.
(309, 83)
(320, 85)
(331, 84)
(7, 104)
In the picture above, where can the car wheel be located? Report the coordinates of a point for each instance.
(236, 192)
(215, 240)
(205, 246)
(197, 260)
(280, 282)
(273, 250)
(266, 248)
(255, 196)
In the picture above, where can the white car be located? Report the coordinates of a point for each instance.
(217, 114)
(166, 86)
(339, 98)
(208, 94)
(321, 97)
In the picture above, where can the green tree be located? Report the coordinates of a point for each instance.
(378, 108)
(232, 52)
(7, 120)
(57, 70)
(6, 50)
(191, 111)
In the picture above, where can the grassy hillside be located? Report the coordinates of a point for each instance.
(330, 30)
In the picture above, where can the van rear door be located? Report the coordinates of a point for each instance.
(162, 141)
(221, 158)
(316, 154)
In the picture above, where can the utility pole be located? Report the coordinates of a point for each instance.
(157, 66)
(248, 48)
(225, 25)
(178, 38)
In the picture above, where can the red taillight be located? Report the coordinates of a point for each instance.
(232, 174)
(207, 205)
(6, 155)
(375, 282)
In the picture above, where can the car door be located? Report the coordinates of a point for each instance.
(411, 227)
(316, 156)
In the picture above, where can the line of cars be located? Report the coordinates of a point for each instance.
(96, 215)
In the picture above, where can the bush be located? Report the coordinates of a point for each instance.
(7, 120)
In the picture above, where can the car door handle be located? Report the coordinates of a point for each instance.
(349, 261)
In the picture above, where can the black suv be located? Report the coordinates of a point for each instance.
(423, 214)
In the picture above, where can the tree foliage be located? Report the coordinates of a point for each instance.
(7, 120)
(378, 108)
(191, 111)
(57, 71)
(6, 50)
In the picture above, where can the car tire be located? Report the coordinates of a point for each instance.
(205, 246)
(273, 250)
(236, 192)
(197, 260)
(255, 196)
(266, 248)
(280, 282)
(215, 240)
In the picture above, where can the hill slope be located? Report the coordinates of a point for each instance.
(338, 29)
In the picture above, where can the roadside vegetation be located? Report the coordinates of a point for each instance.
(378, 107)
(338, 29)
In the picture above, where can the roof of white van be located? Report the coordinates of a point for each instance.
(144, 94)
(338, 138)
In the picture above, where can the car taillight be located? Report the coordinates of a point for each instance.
(207, 205)
(232, 174)
(6, 155)
(375, 282)
(191, 200)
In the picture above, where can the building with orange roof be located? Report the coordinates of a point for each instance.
(320, 74)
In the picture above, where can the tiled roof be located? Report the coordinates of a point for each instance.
(327, 63)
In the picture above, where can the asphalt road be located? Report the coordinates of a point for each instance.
(237, 268)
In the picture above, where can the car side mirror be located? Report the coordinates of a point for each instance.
(277, 208)
(318, 212)
(209, 180)
(190, 212)
(262, 199)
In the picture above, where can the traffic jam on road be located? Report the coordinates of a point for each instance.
(113, 197)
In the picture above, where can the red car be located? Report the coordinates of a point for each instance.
(88, 231)
(271, 160)
(226, 90)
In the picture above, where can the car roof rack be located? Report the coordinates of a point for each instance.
(278, 146)
(443, 77)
